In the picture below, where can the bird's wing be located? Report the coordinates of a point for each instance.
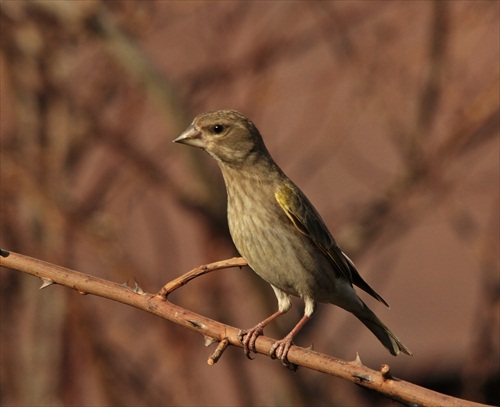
(308, 221)
(358, 280)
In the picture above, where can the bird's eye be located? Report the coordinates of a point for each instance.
(218, 128)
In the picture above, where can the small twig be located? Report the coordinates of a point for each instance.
(218, 352)
(173, 285)
(385, 370)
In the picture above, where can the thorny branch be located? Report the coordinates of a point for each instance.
(381, 381)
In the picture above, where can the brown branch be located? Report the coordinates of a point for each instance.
(354, 371)
(199, 271)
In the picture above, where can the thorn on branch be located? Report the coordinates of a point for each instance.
(45, 283)
(209, 340)
(358, 361)
(137, 289)
(218, 352)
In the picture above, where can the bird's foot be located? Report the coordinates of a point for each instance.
(247, 338)
(280, 349)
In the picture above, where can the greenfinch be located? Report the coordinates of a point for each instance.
(279, 233)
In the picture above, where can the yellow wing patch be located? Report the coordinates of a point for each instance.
(307, 220)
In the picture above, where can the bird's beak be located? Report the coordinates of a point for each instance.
(192, 137)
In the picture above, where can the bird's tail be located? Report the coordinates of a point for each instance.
(384, 335)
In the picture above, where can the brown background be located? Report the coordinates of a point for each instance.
(385, 113)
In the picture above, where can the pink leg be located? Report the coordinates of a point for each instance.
(247, 337)
(280, 348)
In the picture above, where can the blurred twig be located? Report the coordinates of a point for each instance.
(214, 331)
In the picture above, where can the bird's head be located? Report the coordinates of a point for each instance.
(227, 135)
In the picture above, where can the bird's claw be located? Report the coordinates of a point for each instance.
(280, 349)
(248, 337)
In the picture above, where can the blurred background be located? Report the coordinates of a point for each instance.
(386, 114)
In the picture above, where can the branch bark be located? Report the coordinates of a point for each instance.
(381, 381)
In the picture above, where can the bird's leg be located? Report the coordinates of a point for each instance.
(280, 348)
(247, 337)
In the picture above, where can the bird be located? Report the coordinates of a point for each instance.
(279, 233)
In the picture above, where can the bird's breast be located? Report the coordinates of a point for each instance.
(271, 244)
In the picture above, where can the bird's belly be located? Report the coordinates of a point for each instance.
(284, 257)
